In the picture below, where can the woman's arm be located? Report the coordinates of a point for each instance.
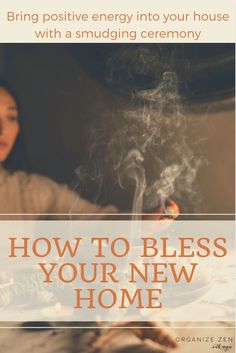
(47, 196)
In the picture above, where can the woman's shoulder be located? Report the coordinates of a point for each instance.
(28, 178)
(46, 195)
(38, 190)
(32, 192)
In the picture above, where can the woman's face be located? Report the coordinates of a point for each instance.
(9, 124)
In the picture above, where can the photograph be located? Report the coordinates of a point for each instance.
(117, 131)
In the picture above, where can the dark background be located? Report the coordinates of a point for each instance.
(63, 93)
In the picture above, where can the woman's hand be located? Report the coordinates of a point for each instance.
(134, 337)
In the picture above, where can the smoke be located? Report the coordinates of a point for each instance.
(145, 146)
(131, 168)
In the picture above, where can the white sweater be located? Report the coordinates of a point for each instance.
(35, 194)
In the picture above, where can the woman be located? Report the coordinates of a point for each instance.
(22, 192)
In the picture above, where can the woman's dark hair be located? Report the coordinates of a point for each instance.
(17, 160)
